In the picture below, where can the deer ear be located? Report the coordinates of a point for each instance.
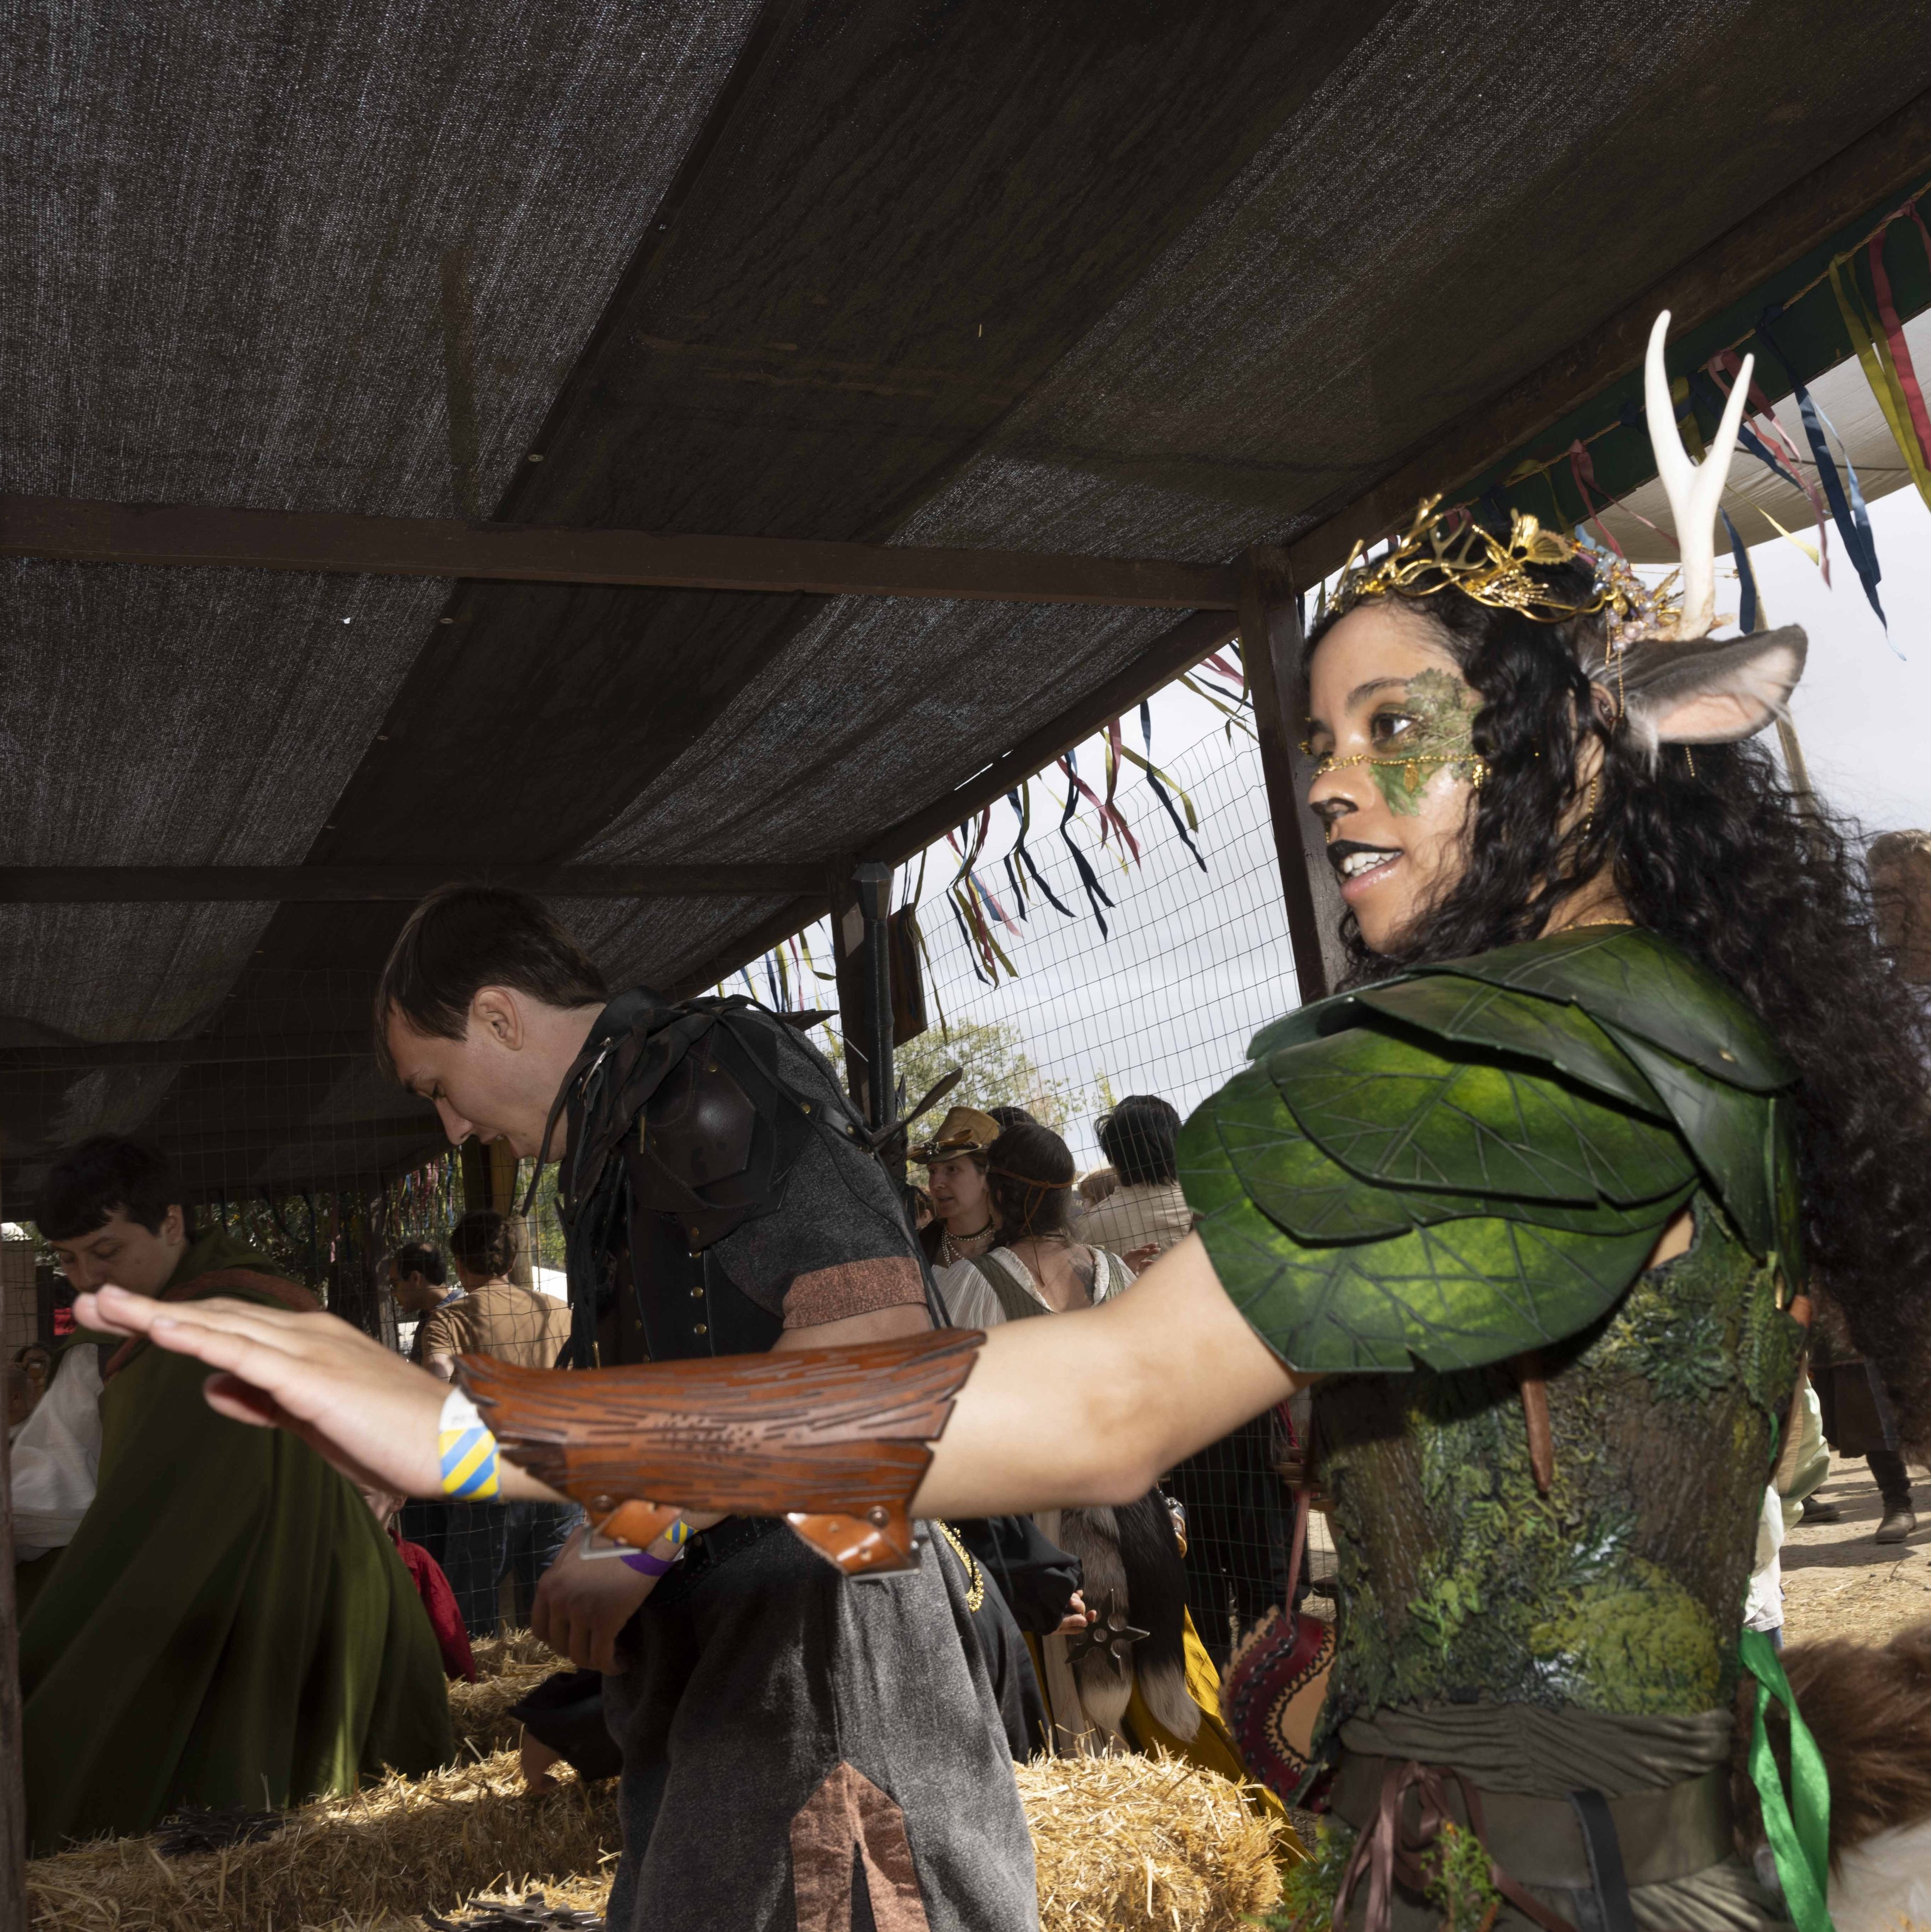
(1708, 691)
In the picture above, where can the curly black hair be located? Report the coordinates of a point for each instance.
(1712, 848)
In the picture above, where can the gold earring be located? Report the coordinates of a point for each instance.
(1589, 810)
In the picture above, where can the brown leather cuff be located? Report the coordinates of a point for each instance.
(836, 1441)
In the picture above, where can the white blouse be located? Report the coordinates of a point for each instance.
(970, 1302)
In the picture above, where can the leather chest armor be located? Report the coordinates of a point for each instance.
(683, 1127)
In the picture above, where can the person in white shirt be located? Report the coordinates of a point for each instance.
(1146, 1214)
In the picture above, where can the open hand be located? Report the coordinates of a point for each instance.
(368, 1411)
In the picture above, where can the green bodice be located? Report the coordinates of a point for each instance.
(1411, 1186)
(1622, 1589)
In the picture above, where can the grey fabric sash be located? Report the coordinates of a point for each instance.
(1546, 1753)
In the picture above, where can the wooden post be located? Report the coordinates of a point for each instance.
(488, 1181)
(861, 896)
(13, 1783)
(1270, 640)
(848, 959)
(873, 880)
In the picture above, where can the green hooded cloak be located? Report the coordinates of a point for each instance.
(229, 1625)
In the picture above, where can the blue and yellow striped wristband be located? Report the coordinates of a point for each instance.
(467, 1451)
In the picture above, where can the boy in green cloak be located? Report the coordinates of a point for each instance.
(210, 1614)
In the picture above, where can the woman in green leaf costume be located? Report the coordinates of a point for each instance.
(1530, 1202)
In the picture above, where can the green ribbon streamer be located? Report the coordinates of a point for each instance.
(1798, 1827)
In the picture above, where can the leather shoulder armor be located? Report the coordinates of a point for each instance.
(718, 1136)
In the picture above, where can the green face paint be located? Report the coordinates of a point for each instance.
(1443, 709)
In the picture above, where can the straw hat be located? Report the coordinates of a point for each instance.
(963, 1130)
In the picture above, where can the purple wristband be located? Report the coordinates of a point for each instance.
(649, 1565)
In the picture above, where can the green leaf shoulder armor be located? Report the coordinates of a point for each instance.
(1476, 1159)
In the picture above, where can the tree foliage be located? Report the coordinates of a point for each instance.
(998, 1071)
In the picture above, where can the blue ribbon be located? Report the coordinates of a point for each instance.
(1746, 617)
(1852, 519)
(1159, 790)
(1096, 894)
(1712, 397)
(971, 951)
(1026, 858)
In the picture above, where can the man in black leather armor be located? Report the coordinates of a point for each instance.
(798, 1747)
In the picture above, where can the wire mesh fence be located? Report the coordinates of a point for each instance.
(1067, 977)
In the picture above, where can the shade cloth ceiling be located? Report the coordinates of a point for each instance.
(1120, 278)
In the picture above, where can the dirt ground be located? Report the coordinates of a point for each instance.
(1838, 1582)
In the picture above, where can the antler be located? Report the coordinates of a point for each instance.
(1693, 489)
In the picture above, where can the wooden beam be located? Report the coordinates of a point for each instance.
(13, 1783)
(254, 1143)
(1270, 642)
(189, 534)
(102, 885)
(1176, 650)
(1892, 157)
(236, 1049)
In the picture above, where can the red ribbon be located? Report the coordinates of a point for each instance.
(1582, 468)
(1900, 350)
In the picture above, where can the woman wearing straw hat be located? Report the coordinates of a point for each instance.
(963, 1222)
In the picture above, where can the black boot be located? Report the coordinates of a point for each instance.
(1893, 1484)
(1899, 1519)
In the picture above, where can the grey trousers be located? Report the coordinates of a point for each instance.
(802, 1751)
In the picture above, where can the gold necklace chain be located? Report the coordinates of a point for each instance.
(975, 1575)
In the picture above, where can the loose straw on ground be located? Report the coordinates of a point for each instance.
(1123, 1844)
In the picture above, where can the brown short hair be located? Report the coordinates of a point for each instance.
(108, 1174)
(483, 1242)
(1029, 1176)
(464, 937)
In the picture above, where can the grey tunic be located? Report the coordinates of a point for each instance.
(802, 1750)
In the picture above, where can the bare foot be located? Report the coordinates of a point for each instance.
(537, 1757)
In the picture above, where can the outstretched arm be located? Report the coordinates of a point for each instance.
(1085, 1407)
(1091, 1407)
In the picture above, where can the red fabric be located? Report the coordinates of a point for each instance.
(439, 1600)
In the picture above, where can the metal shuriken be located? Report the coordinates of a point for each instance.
(1109, 1633)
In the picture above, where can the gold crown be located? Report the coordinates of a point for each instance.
(1476, 562)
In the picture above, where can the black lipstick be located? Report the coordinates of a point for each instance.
(1341, 849)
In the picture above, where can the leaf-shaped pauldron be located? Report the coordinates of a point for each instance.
(1392, 1111)
(1646, 986)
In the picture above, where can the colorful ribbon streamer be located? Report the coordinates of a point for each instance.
(1096, 894)
(1025, 812)
(1154, 777)
(1747, 615)
(1885, 357)
(1852, 519)
(1797, 1825)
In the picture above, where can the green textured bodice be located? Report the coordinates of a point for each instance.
(1412, 1186)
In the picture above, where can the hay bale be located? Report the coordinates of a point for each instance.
(1146, 1844)
(1123, 1844)
(375, 1860)
(507, 1668)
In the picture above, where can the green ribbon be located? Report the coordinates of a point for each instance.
(1798, 1827)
